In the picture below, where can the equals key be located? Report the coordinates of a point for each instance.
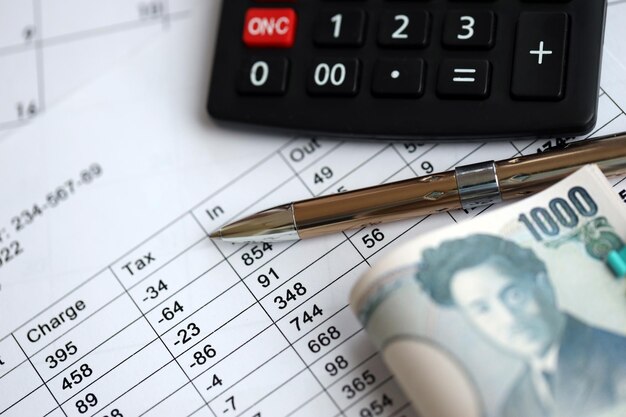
(464, 75)
(464, 78)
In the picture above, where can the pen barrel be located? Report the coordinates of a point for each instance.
(513, 178)
(523, 176)
(391, 202)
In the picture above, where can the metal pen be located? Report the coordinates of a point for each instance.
(465, 187)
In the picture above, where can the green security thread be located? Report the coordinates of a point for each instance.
(617, 262)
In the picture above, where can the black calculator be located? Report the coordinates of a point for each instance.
(429, 70)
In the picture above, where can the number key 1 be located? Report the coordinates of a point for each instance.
(340, 28)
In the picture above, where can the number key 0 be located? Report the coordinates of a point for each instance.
(266, 76)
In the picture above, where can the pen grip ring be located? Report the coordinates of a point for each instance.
(478, 184)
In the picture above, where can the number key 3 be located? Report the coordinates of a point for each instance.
(469, 29)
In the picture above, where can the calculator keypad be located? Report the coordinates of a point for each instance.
(402, 69)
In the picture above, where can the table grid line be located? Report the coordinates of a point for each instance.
(356, 249)
(297, 175)
(353, 170)
(41, 100)
(88, 33)
(406, 163)
(124, 360)
(39, 375)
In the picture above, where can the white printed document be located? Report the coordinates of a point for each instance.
(114, 302)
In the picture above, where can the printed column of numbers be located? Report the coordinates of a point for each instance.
(155, 276)
(135, 367)
(320, 325)
(306, 299)
(140, 377)
(277, 381)
(76, 342)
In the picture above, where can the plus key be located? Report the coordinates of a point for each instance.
(540, 56)
(540, 53)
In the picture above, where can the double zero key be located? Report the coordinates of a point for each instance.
(334, 77)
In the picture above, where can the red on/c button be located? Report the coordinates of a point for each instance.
(270, 28)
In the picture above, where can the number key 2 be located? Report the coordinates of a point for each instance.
(404, 29)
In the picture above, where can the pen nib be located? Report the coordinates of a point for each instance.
(275, 224)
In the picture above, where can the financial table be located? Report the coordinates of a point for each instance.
(182, 325)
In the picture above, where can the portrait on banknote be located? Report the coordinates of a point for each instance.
(504, 292)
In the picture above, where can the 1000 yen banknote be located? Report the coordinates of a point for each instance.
(513, 314)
